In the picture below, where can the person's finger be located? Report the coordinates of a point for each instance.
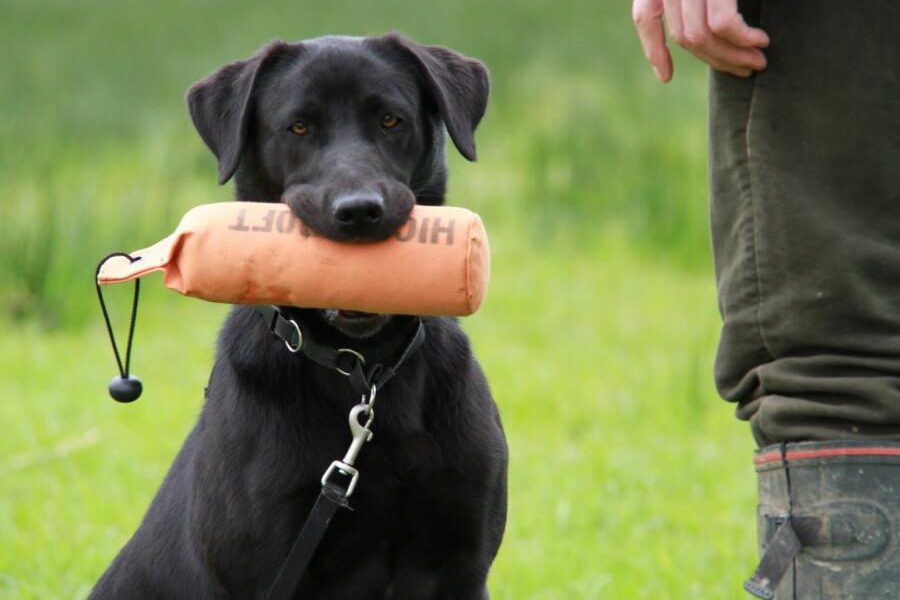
(735, 56)
(693, 19)
(647, 16)
(725, 22)
(722, 67)
(674, 23)
(666, 71)
(728, 58)
(719, 53)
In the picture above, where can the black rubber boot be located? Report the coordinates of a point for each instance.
(827, 521)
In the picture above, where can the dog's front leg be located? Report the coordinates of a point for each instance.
(461, 578)
(447, 550)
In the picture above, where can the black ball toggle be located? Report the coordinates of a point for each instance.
(125, 390)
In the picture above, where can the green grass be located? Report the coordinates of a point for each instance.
(629, 478)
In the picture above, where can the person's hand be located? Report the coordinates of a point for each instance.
(712, 30)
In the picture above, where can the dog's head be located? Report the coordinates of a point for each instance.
(349, 132)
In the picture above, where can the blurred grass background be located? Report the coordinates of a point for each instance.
(629, 478)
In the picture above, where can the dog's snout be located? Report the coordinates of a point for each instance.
(358, 213)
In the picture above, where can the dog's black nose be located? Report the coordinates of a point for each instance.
(358, 212)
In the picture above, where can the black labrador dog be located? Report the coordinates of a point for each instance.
(349, 132)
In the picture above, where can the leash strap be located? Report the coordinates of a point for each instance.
(364, 381)
(331, 498)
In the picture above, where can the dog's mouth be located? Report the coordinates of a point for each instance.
(355, 323)
(346, 212)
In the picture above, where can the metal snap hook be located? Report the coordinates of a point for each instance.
(361, 434)
(358, 430)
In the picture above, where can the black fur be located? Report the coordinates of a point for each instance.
(430, 508)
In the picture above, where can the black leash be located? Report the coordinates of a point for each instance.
(339, 480)
(331, 498)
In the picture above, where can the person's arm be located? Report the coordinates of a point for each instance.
(712, 30)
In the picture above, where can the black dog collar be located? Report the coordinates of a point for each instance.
(364, 371)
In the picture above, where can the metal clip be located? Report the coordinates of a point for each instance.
(361, 435)
(371, 402)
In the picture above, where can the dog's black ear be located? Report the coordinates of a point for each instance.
(458, 85)
(220, 105)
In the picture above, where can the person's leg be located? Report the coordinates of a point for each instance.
(805, 194)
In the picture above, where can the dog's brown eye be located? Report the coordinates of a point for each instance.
(299, 128)
(389, 121)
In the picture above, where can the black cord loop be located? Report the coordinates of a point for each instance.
(124, 388)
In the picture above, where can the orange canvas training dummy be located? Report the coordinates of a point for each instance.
(438, 263)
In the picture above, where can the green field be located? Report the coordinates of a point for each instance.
(629, 477)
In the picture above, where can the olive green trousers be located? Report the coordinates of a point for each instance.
(805, 215)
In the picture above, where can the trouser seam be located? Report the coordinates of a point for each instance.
(757, 280)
